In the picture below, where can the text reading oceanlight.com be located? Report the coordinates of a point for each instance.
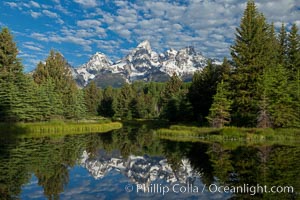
(212, 188)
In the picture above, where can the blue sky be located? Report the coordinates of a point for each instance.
(79, 28)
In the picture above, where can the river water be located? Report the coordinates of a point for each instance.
(134, 163)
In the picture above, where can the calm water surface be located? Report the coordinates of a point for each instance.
(133, 163)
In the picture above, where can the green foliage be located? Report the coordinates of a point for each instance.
(92, 98)
(64, 99)
(10, 66)
(279, 101)
(60, 128)
(251, 53)
(122, 109)
(173, 102)
(219, 113)
(12, 106)
(106, 107)
(229, 135)
(293, 52)
(283, 48)
(203, 88)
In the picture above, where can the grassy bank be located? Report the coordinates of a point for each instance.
(230, 134)
(57, 128)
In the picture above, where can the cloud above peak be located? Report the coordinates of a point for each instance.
(87, 3)
(82, 27)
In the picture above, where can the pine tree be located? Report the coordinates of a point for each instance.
(11, 74)
(219, 112)
(57, 71)
(122, 109)
(169, 100)
(28, 99)
(9, 63)
(202, 90)
(225, 70)
(282, 40)
(172, 87)
(92, 98)
(264, 119)
(276, 98)
(78, 106)
(293, 52)
(41, 74)
(251, 53)
(293, 67)
(43, 105)
(9, 102)
(107, 104)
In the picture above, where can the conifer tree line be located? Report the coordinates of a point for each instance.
(259, 86)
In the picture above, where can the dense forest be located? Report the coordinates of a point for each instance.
(258, 87)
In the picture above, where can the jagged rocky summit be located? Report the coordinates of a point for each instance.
(142, 63)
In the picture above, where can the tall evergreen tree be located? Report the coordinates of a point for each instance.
(293, 66)
(11, 74)
(124, 98)
(264, 118)
(57, 71)
(172, 88)
(202, 90)
(170, 98)
(225, 70)
(293, 52)
(282, 40)
(276, 99)
(219, 112)
(92, 98)
(251, 53)
(107, 104)
(10, 65)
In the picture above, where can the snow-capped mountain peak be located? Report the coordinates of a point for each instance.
(97, 62)
(142, 63)
(145, 45)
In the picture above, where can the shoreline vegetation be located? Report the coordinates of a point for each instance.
(58, 128)
(251, 136)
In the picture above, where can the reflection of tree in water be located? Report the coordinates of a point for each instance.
(53, 180)
(195, 153)
(13, 168)
(263, 165)
(222, 164)
(47, 158)
(132, 140)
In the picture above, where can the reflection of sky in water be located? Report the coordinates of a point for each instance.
(83, 186)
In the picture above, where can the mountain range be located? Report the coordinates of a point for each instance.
(142, 63)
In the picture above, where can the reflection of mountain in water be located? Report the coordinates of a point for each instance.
(140, 169)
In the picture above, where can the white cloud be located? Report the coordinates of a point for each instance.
(39, 36)
(32, 47)
(60, 21)
(11, 4)
(34, 4)
(50, 14)
(60, 8)
(86, 3)
(88, 23)
(35, 14)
